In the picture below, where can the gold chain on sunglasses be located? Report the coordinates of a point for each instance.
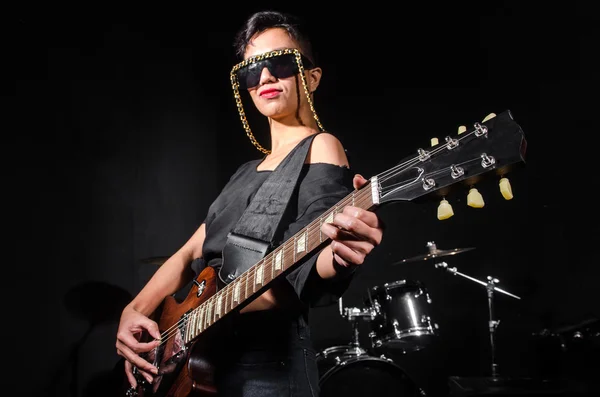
(238, 99)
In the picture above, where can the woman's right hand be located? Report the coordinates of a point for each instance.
(131, 327)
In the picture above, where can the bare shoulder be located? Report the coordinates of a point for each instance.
(327, 148)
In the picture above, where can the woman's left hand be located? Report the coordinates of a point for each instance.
(354, 232)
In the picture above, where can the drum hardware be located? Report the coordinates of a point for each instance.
(354, 314)
(353, 371)
(492, 323)
(350, 370)
(434, 252)
(401, 316)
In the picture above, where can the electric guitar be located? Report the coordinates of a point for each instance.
(493, 146)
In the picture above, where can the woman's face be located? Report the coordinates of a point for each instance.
(273, 97)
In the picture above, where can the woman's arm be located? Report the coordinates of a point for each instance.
(168, 279)
(354, 232)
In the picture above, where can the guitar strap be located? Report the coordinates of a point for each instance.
(251, 239)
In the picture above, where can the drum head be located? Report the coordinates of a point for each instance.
(364, 376)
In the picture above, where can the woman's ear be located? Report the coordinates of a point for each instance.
(314, 78)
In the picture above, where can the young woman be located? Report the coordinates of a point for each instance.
(267, 349)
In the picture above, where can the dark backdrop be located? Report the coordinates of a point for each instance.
(120, 129)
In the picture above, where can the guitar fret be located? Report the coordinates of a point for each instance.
(277, 260)
(201, 319)
(205, 319)
(219, 306)
(329, 218)
(188, 328)
(294, 250)
(213, 318)
(320, 231)
(192, 325)
(236, 292)
(258, 277)
(353, 199)
(209, 314)
(246, 289)
(300, 244)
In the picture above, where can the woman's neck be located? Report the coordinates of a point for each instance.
(285, 136)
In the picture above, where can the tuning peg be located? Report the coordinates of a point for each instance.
(444, 210)
(461, 129)
(489, 116)
(475, 199)
(505, 188)
(434, 141)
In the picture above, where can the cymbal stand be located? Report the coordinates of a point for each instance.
(353, 314)
(492, 323)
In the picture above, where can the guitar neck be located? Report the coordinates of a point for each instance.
(257, 278)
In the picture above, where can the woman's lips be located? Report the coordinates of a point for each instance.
(270, 93)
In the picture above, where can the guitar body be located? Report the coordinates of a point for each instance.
(184, 371)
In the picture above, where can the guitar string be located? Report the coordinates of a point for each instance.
(394, 186)
(416, 160)
(267, 265)
(245, 277)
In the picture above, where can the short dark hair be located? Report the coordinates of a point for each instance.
(263, 20)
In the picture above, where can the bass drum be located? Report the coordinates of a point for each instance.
(351, 372)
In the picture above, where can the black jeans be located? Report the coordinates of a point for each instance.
(268, 353)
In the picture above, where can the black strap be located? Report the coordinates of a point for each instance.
(252, 236)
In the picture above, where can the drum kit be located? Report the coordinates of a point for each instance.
(399, 317)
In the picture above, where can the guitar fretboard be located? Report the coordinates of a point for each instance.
(271, 266)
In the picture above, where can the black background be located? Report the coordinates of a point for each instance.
(120, 129)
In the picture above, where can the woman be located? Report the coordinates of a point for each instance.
(275, 358)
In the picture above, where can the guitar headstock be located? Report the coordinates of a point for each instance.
(494, 146)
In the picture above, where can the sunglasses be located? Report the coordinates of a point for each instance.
(280, 63)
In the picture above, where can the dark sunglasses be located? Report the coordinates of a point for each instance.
(280, 63)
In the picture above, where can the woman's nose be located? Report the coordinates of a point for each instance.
(266, 76)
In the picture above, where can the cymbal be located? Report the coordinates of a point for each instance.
(434, 252)
(155, 260)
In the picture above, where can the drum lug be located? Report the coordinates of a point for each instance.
(428, 298)
(375, 342)
(383, 357)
